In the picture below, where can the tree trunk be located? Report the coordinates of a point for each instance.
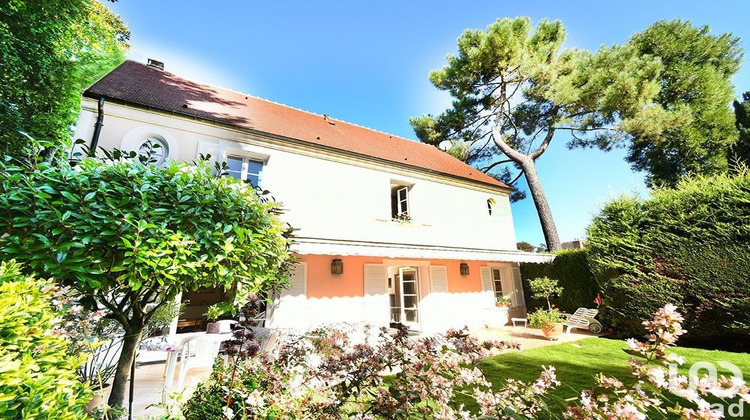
(542, 207)
(127, 358)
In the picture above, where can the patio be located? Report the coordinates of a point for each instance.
(149, 379)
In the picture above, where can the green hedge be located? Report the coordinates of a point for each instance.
(37, 373)
(571, 269)
(689, 246)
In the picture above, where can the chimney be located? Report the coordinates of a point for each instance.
(155, 64)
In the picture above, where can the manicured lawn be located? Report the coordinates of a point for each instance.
(577, 363)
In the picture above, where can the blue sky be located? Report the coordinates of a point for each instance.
(367, 63)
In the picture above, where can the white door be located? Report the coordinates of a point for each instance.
(409, 297)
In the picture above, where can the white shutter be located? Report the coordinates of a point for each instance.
(487, 285)
(518, 298)
(439, 279)
(291, 305)
(377, 304)
(208, 148)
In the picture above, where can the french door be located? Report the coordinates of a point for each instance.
(409, 285)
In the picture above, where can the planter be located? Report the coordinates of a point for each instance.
(553, 333)
(213, 328)
(501, 305)
(98, 399)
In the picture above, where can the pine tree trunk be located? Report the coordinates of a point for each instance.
(127, 358)
(542, 206)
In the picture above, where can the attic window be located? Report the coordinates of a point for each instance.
(153, 151)
(492, 206)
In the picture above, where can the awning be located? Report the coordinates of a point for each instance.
(323, 246)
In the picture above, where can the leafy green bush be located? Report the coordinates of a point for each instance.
(571, 269)
(688, 245)
(37, 372)
(128, 237)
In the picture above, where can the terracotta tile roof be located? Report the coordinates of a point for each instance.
(137, 84)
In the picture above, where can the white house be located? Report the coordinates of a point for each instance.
(389, 229)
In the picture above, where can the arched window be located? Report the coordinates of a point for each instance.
(491, 206)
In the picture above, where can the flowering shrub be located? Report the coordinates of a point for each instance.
(325, 374)
(388, 375)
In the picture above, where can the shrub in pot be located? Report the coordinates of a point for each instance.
(549, 320)
(503, 302)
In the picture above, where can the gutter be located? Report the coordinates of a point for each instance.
(97, 127)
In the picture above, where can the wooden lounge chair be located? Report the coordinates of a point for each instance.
(583, 318)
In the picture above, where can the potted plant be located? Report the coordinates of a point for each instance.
(549, 320)
(503, 302)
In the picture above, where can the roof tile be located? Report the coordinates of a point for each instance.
(138, 84)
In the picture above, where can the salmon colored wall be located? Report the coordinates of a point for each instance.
(463, 284)
(321, 283)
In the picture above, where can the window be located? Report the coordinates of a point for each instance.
(244, 168)
(497, 282)
(153, 151)
(492, 206)
(400, 202)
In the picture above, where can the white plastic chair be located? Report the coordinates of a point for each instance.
(225, 325)
(200, 351)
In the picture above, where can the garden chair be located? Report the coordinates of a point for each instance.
(259, 320)
(583, 318)
(199, 351)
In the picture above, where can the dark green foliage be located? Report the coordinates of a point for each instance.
(49, 51)
(698, 126)
(37, 371)
(739, 154)
(688, 246)
(525, 246)
(571, 269)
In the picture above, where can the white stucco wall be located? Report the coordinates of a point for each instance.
(327, 195)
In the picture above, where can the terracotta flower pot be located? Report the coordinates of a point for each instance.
(213, 328)
(553, 333)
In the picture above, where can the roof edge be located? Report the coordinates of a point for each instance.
(505, 188)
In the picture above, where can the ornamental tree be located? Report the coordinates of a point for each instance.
(128, 237)
(514, 87)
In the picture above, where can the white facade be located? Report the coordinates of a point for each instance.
(341, 205)
(327, 195)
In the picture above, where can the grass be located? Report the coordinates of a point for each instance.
(577, 362)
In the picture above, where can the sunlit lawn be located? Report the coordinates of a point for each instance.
(577, 363)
